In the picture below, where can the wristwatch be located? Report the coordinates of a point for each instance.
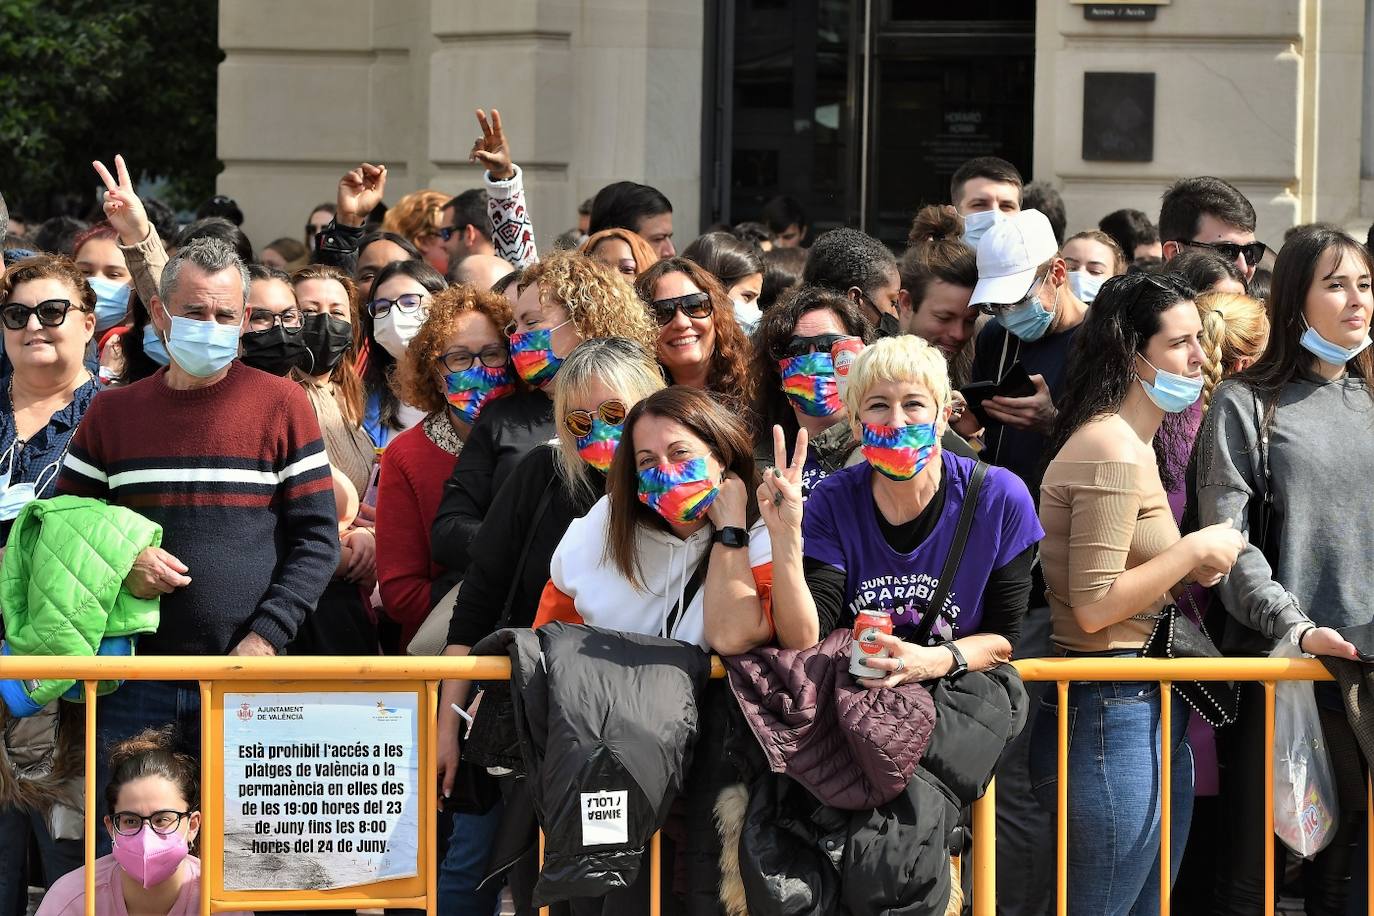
(960, 663)
(731, 537)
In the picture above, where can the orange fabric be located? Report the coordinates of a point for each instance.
(555, 605)
(763, 584)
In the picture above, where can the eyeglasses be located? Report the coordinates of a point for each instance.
(693, 305)
(407, 303)
(291, 320)
(493, 357)
(50, 312)
(127, 823)
(800, 346)
(1252, 251)
(579, 422)
(448, 232)
(993, 309)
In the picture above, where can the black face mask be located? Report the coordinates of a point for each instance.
(888, 326)
(328, 340)
(275, 351)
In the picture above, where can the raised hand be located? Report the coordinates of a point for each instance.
(122, 207)
(360, 191)
(492, 149)
(780, 496)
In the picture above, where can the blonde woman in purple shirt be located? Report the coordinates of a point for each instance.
(876, 535)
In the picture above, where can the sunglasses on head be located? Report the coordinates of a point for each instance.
(693, 305)
(579, 422)
(800, 346)
(1252, 251)
(51, 313)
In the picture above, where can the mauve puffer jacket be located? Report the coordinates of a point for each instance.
(853, 748)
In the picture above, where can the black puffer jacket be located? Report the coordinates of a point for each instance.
(803, 859)
(600, 712)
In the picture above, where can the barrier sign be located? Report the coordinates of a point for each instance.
(321, 790)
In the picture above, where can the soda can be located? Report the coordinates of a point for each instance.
(843, 353)
(868, 626)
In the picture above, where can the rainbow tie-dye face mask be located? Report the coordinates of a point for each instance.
(679, 491)
(597, 448)
(471, 389)
(898, 452)
(532, 353)
(808, 381)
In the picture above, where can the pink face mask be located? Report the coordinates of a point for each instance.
(148, 857)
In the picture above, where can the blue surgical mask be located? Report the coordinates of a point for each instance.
(1030, 320)
(1171, 392)
(976, 225)
(153, 347)
(1085, 285)
(111, 302)
(202, 348)
(1328, 352)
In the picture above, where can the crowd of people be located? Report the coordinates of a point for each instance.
(411, 431)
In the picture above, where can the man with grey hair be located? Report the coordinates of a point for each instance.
(230, 462)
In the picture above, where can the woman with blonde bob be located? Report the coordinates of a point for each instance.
(876, 535)
(554, 484)
(564, 299)
(417, 217)
(622, 250)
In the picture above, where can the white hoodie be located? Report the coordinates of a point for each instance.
(600, 596)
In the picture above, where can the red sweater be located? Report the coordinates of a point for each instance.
(409, 487)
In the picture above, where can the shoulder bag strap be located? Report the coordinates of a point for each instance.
(1266, 511)
(544, 500)
(956, 553)
(690, 590)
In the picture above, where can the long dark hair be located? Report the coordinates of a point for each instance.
(711, 422)
(1284, 358)
(380, 364)
(1102, 367)
(773, 333)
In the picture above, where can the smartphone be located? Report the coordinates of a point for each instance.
(1016, 383)
(975, 393)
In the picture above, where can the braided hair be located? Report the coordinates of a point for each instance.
(1235, 329)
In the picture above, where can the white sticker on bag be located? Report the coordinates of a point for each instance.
(605, 818)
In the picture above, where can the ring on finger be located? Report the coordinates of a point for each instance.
(901, 664)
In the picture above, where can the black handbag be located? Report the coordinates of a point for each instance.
(1176, 636)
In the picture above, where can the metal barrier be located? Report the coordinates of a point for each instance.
(301, 674)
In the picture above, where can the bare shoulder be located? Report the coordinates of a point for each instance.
(1107, 438)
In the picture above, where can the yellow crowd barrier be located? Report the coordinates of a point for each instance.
(311, 674)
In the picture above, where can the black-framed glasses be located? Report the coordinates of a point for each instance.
(493, 357)
(579, 422)
(406, 302)
(693, 305)
(291, 320)
(448, 232)
(1252, 251)
(50, 312)
(127, 823)
(993, 309)
(1133, 284)
(800, 346)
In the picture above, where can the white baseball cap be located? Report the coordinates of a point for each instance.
(1009, 254)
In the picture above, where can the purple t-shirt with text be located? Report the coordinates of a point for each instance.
(840, 529)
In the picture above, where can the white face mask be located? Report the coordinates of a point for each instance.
(396, 329)
(747, 315)
(976, 225)
(13, 498)
(1085, 285)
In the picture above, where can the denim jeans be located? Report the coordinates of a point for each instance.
(137, 705)
(465, 865)
(58, 857)
(1114, 792)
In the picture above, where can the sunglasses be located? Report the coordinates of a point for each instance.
(1252, 251)
(579, 422)
(407, 303)
(800, 346)
(693, 305)
(51, 313)
(448, 232)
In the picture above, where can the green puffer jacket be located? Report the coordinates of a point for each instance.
(62, 582)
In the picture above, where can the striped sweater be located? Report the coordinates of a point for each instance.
(236, 474)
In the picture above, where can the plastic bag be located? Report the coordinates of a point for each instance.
(1304, 783)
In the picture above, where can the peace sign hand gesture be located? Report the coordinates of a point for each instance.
(780, 496)
(492, 149)
(122, 207)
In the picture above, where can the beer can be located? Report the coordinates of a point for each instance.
(842, 353)
(868, 626)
